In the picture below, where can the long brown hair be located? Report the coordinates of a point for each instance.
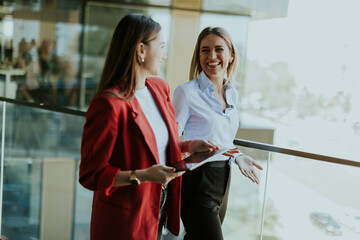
(122, 60)
(195, 67)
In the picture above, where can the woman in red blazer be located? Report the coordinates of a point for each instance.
(130, 138)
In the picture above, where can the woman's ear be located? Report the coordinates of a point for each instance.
(140, 50)
(231, 60)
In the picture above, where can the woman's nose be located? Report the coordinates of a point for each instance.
(212, 54)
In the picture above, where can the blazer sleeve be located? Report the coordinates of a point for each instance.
(98, 141)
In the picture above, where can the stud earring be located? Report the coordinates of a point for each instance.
(142, 59)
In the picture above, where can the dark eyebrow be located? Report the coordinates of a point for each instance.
(217, 46)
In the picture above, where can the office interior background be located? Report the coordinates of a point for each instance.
(299, 85)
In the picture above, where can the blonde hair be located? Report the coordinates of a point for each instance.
(122, 60)
(195, 67)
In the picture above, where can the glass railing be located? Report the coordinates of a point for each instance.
(40, 191)
(301, 195)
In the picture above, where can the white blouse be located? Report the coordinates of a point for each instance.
(156, 121)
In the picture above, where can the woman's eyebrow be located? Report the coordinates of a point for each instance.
(215, 46)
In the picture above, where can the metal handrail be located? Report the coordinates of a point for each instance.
(303, 154)
(45, 107)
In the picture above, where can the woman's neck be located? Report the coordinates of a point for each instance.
(141, 77)
(218, 85)
(219, 92)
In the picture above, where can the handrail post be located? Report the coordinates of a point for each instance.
(264, 200)
(2, 164)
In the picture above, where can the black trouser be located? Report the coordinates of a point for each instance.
(163, 209)
(204, 201)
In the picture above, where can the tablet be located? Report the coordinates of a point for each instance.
(196, 160)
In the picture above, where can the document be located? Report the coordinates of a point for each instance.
(198, 159)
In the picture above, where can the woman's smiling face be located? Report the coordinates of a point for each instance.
(215, 57)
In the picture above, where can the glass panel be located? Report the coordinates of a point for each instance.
(1, 150)
(82, 211)
(40, 181)
(309, 199)
(40, 45)
(243, 216)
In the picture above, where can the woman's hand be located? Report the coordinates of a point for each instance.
(158, 174)
(247, 167)
(197, 146)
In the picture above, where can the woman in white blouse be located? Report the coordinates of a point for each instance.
(205, 108)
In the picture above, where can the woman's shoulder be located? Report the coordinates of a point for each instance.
(157, 81)
(159, 86)
(109, 98)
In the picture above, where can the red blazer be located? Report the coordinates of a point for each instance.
(117, 136)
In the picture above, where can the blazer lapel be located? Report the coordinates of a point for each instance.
(143, 124)
(162, 108)
(166, 114)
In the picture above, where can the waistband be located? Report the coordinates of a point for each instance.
(218, 164)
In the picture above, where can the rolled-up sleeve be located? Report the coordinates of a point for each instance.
(181, 106)
(98, 140)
